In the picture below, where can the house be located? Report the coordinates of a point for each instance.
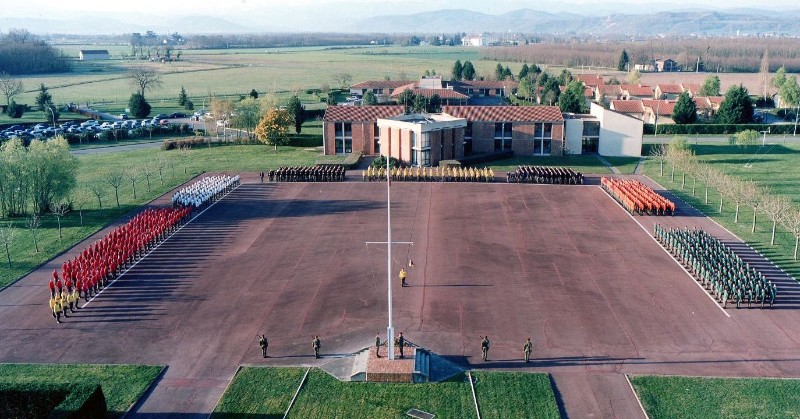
(93, 54)
(451, 92)
(665, 65)
(658, 111)
(667, 91)
(636, 91)
(609, 92)
(473, 41)
(644, 68)
(430, 86)
(632, 108)
(590, 80)
(381, 88)
(603, 131)
(693, 89)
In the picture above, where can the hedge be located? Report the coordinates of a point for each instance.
(192, 142)
(722, 129)
(47, 400)
(484, 158)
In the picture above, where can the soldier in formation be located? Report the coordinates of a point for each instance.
(721, 271)
(430, 174)
(205, 190)
(326, 173)
(545, 174)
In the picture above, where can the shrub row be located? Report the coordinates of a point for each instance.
(484, 158)
(190, 142)
(723, 129)
(54, 401)
(303, 140)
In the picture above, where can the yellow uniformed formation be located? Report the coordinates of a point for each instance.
(430, 174)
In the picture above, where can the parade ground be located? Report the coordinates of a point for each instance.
(564, 265)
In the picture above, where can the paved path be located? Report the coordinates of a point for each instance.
(116, 148)
(563, 264)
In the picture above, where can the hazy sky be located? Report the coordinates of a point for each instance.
(58, 9)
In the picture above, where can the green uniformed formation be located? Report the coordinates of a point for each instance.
(327, 173)
(545, 174)
(723, 273)
(430, 174)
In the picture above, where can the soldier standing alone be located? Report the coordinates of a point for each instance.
(315, 343)
(403, 274)
(378, 345)
(527, 349)
(264, 343)
(401, 342)
(485, 347)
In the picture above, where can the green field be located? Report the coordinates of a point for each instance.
(699, 398)
(773, 166)
(267, 391)
(122, 385)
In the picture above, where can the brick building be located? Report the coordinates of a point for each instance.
(354, 128)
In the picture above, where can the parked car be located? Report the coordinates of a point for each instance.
(163, 122)
(177, 115)
(161, 116)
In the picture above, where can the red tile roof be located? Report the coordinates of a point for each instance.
(400, 89)
(661, 107)
(716, 100)
(361, 113)
(381, 84)
(611, 89)
(489, 84)
(443, 93)
(590, 79)
(638, 90)
(702, 102)
(506, 113)
(627, 106)
(692, 88)
(673, 89)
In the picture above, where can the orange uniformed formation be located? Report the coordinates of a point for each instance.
(636, 197)
(102, 261)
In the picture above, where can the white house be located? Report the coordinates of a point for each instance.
(93, 54)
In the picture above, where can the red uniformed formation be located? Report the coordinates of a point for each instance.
(636, 197)
(102, 261)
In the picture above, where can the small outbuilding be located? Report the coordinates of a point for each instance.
(93, 54)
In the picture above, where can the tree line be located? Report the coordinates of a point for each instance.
(23, 53)
(710, 54)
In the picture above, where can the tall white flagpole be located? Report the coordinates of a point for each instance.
(390, 328)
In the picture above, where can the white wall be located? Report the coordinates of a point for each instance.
(620, 135)
(574, 134)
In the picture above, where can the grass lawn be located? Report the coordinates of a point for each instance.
(771, 166)
(93, 170)
(122, 384)
(587, 164)
(698, 398)
(267, 391)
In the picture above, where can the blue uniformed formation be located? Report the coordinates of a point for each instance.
(723, 273)
(204, 191)
(327, 173)
(429, 174)
(545, 174)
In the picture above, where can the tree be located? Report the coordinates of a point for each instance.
(33, 222)
(523, 72)
(114, 179)
(59, 210)
(147, 170)
(80, 198)
(746, 138)
(710, 86)
(295, 108)
(622, 65)
(659, 151)
(434, 104)
(468, 72)
(138, 106)
(573, 100)
(10, 87)
(736, 108)
(343, 79)
(780, 78)
(458, 70)
(273, 129)
(551, 92)
(370, 99)
(525, 88)
(634, 77)
(7, 237)
(419, 104)
(99, 192)
(564, 77)
(685, 110)
(52, 172)
(132, 174)
(254, 94)
(182, 97)
(144, 79)
(791, 221)
(764, 71)
(776, 207)
(498, 72)
(753, 196)
(789, 92)
(43, 99)
(406, 98)
(248, 113)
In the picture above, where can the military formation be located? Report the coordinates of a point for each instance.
(637, 197)
(545, 174)
(721, 272)
(204, 191)
(100, 263)
(326, 173)
(429, 174)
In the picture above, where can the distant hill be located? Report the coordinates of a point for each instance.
(700, 22)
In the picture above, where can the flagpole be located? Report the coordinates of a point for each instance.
(390, 328)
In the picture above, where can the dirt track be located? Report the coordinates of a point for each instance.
(564, 265)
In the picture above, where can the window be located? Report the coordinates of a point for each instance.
(502, 136)
(591, 137)
(467, 139)
(344, 138)
(542, 139)
(376, 146)
(420, 149)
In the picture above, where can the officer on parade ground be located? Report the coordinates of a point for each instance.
(527, 349)
(316, 344)
(401, 342)
(264, 344)
(378, 345)
(485, 347)
(402, 275)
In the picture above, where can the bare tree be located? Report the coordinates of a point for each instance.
(753, 196)
(59, 210)
(706, 174)
(10, 87)
(132, 174)
(33, 222)
(99, 192)
(776, 208)
(732, 189)
(144, 78)
(147, 171)
(343, 79)
(114, 179)
(659, 151)
(185, 153)
(791, 221)
(160, 163)
(80, 198)
(7, 237)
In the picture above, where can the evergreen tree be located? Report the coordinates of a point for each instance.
(182, 97)
(564, 78)
(737, 108)
(710, 86)
(468, 72)
(551, 92)
(434, 104)
(623, 61)
(685, 111)
(43, 99)
(458, 70)
(498, 72)
(523, 72)
(507, 74)
(572, 100)
(296, 110)
(525, 88)
(370, 99)
(138, 106)
(254, 94)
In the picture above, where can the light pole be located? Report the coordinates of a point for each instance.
(764, 139)
(50, 108)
